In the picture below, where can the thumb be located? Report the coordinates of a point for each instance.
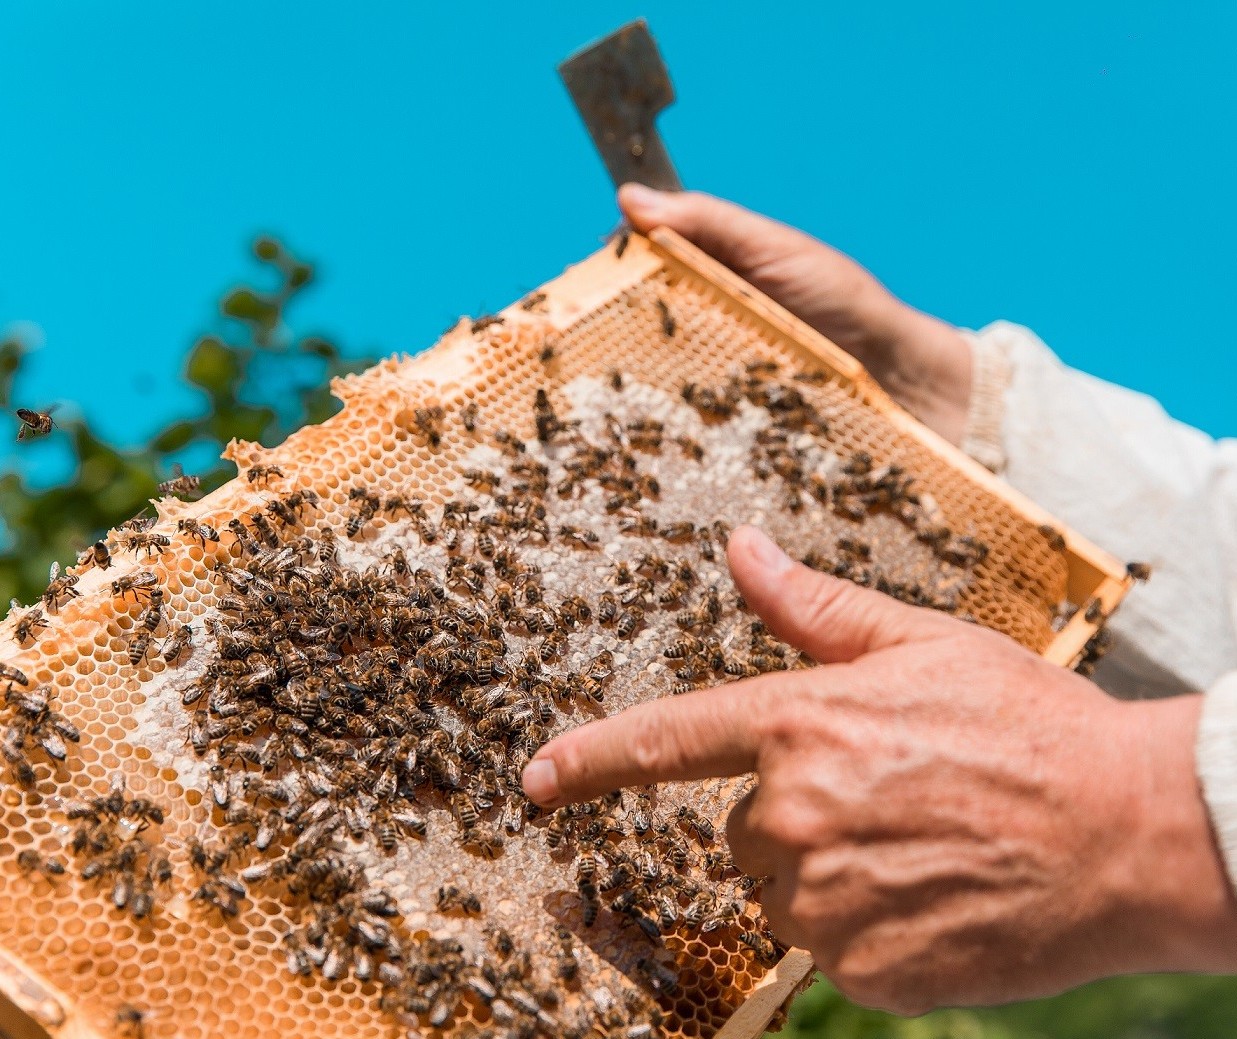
(830, 619)
(742, 240)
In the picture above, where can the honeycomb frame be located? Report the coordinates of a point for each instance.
(463, 364)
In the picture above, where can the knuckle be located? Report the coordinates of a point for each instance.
(652, 748)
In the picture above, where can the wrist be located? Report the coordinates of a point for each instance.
(1173, 885)
(929, 371)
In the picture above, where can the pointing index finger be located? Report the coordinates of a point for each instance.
(713, 732)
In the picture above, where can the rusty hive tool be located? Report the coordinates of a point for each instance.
(620, 84)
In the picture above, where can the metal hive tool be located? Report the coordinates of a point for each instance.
(669, 317)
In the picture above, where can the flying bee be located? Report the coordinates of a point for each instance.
(176, 644)
(452, 899)
(30, 861)
(180, 484)
(28, 627)
(138, 583)
(35, 423)
(1139, 571)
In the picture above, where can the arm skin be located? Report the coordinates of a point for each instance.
(943, 818)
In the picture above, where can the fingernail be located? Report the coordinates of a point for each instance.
(540, 780)
(648, 200)
(766, 553)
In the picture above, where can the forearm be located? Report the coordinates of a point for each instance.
(1111, 464)
(1173, 900)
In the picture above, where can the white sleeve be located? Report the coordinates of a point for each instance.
(1113, 465)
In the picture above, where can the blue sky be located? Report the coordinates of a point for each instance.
(1067, 165)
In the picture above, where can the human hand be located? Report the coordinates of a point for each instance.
(923, 363)
(943, 817)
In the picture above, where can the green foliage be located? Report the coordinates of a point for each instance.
(1152, 1007)
(259, 381)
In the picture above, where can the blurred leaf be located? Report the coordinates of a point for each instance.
(214, 366)
(247, 305)
(176, 436)
(266, 248)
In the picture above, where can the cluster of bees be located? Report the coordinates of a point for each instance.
(345, 705)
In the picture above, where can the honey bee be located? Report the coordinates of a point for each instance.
(1055, 540)
(486, 321)
(766, 950)
(692, 821)
(578, 535)
(1139, 571)
(639, 526)
(139, 646)
(468, 417)
(509, 443)
(145, 581)
(621, 241)
(616, 380)
(1093, 610)
(607, 607)
(60, 589)
(180, 484)
(176, 644)
(35, 423)
(145, 541)
(30, 861)
(482, 841)
(130, 1022)
(533, 301)
(429, 420)
(549, 350)
(97, 554)
(452, 899)
(28, 627)
(628, 621)
(666, 318)
(662, 978)
(201, 532)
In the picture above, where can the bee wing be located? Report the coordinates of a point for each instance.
(53, 571)
(24, 431)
